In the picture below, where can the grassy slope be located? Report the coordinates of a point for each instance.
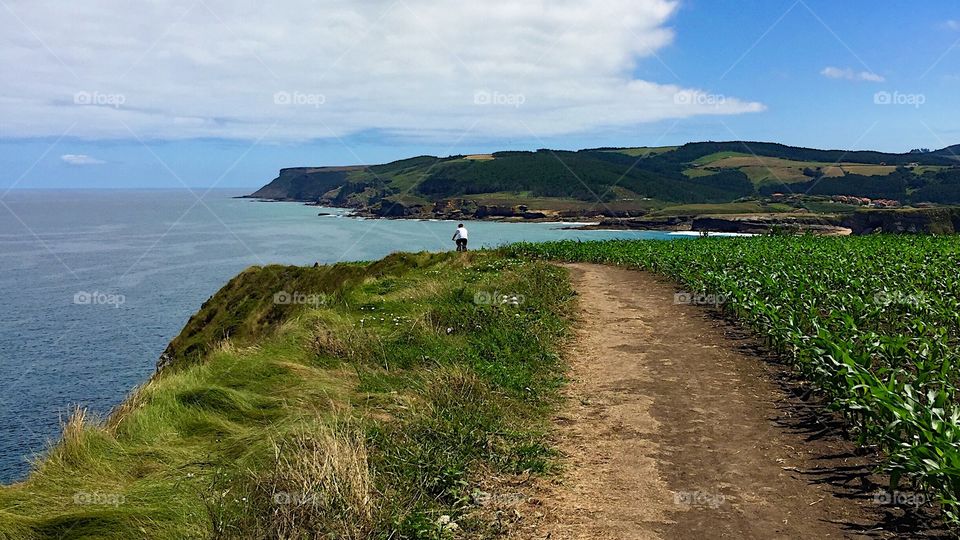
(750, 207)
(763, 170)
(367, 415)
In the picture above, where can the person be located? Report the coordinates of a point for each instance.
(460, 237)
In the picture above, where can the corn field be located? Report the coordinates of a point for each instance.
(872, 322)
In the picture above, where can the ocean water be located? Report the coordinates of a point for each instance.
(95, 283)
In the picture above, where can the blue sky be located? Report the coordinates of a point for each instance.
(206, 93)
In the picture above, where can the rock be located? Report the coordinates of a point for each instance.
(912, 221)
(164, 362)
(394, 209)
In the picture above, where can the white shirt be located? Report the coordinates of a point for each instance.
(461, 233)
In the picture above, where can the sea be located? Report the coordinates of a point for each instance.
(95, 283)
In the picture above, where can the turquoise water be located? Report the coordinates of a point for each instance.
(96, 283)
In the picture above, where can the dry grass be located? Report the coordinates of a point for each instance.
(127, 407)
(77, 423)
(320, 481)
(344, 342)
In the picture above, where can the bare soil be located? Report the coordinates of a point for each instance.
(676, 425)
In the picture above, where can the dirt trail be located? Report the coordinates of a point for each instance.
(673, 429)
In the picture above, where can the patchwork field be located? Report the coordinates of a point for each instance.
(766, 170)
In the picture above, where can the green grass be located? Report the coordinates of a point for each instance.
(748, 207)
(644, 151)
(717, 156)
(763, 170)
(872, 322)
(369, 414)
(828, 207)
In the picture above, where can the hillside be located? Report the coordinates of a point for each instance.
(361, 400)
(618, 182)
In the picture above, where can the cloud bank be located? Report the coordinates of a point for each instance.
(330, 68)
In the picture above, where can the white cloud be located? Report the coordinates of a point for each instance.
(320, 68)
(952, 24)
(851, 75)
(80, 159)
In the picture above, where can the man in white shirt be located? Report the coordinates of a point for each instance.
(460, 237)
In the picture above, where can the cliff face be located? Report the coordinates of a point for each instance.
(256, 301)
(305, 183)
(918, 220)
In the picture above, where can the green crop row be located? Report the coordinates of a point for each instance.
(873, 322)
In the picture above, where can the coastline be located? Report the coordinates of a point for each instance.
(694, 224)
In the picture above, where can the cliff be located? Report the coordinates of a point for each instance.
(908, 220)
(357, 400)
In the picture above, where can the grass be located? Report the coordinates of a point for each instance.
(717, 156)
(624, 201)
(763, 170)
(644, 151)
(370, 413)
(748, 207)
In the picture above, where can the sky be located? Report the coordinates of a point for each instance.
(224, 93)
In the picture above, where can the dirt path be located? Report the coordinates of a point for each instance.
(674, 429)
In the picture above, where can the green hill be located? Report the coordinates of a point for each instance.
(617, 181)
